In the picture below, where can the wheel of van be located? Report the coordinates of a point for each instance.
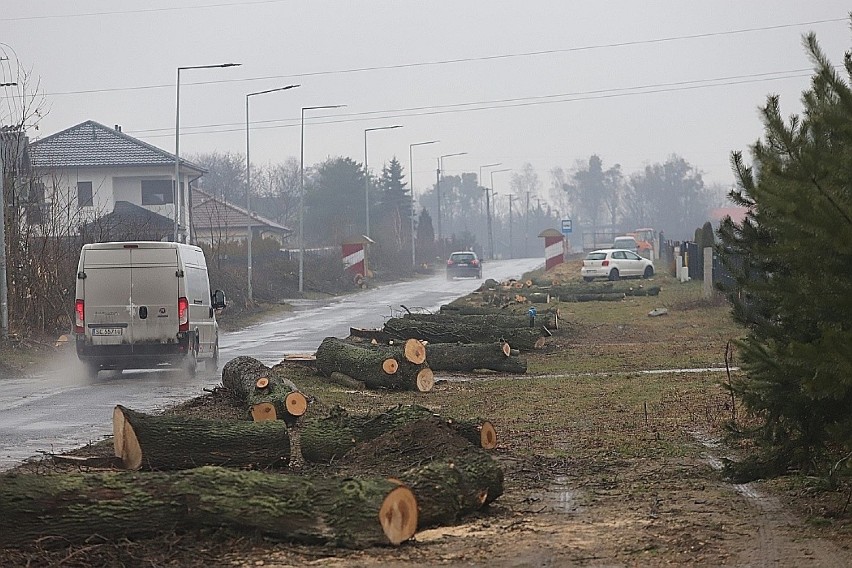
(649, 272)
(213, 363)
(91, 370)
(190, 360)
(613, 274)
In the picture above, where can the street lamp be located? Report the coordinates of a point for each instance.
(411, 183)
(248, 183)
(438, 190)
(367, 172)
(302, 194)
(527, 222)
(488, 208)
(178, 193)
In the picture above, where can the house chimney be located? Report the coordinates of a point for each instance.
(118, 128)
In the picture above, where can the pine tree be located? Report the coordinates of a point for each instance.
(792, 260)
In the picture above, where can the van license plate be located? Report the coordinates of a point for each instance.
(106, 331)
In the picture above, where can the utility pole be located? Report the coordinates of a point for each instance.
(4, 304)
(526, 224)
(438, 195)
(511, 243)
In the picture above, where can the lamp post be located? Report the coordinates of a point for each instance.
(438, 191)
(249, 294)
(511, 243)
(178, 192)
(527, 222)
(411, 183)
(4, 292)
(302, 194)
(367, 172)
(488, 208)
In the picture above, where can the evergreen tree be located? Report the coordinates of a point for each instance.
(425, 250)
(792, 260)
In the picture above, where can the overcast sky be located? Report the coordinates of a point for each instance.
(548, 82)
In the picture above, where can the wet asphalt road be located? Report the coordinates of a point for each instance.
(59, 410)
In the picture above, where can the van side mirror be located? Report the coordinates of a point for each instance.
(217, 299)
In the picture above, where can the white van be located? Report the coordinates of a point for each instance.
(140, 305)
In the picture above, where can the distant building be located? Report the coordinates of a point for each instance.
(216, 221)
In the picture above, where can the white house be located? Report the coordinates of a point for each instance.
(89, 169)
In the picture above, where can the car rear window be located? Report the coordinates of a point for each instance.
(462, 257)
(596, 256)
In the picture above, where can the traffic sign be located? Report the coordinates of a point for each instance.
(566, 226)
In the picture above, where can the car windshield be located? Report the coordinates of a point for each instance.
(465, 257)
(596, 256)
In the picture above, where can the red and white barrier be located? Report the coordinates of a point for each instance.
(353, 258)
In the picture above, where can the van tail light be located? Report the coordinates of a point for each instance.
(79, 310)
(474, 262)
(605, 263)
(449, 263)
(183, 314)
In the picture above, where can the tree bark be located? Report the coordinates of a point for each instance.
(162, 442)
(365, 364)
(328, 438)
(503, 319)
(466, 310)
(524, 339)
(450, 488)
(268, 397)
(471, 356)
(73, 507)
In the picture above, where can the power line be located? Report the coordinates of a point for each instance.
(461, 59)
(495, 104)
(141, 10)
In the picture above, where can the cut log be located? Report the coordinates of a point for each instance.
(450, 488)
(268, 397)
(367, 364)
(70, 508)
(390, 366)
(471, 356)
(369, 334)
(329, 438)
(503, 319)
(162, 442)
(610, 297)
(538, 297)
(524, 339)
(346, 381)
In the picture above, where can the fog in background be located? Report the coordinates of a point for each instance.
(537, 86)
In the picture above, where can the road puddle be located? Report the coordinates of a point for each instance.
(562, 498)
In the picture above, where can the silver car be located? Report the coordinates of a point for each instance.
(613, 264)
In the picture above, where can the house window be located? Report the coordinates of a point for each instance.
(157, 192)
(84, 194)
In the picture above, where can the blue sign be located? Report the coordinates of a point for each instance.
(566, 226)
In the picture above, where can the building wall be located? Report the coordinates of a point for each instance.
(108, 186)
